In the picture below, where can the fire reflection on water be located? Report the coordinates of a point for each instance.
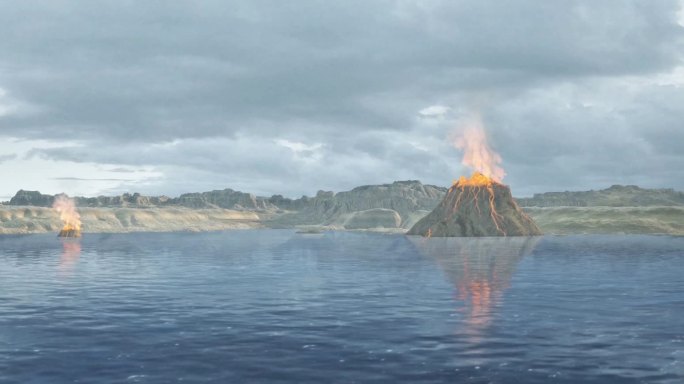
(481, 270)
(71, 252)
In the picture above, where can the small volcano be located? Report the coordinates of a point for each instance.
(476, 207)
(69, 232)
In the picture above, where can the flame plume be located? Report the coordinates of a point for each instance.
(484, 161)
(69, 216)
(477, 154)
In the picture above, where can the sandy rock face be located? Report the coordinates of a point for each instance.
(473, 211)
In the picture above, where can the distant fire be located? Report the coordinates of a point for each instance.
(69, 216)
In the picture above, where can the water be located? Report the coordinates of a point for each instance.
(275, 306)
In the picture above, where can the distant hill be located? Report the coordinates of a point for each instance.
(32, 198)
(403, 196)
(391, 207)
(226, 198)
(404, 202)
(395, 205)
(615, 196)
(609, 220)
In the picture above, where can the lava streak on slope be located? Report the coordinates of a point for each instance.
(474, 186)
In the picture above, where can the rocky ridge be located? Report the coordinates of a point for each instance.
(393, 207)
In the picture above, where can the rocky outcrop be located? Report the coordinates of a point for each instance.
(403, 197)
(373, 218)
(615, 196)
(32, 198)
(226, 198)
(135, 200)
(474, 211)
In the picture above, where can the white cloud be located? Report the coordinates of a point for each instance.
(434, 111)
(675, 78)
(298, 147)
(11, 106)
(57, 176)
(301, 151)
(6, 105)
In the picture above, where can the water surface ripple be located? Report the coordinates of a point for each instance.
(276, 306)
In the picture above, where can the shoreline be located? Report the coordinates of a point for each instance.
(25, 220)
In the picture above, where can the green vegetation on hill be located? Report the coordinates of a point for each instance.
(603, 220)
(615, 196)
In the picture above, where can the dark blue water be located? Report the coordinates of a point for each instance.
(275, 306)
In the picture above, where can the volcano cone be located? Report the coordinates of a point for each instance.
(474, 210)
(69, 233)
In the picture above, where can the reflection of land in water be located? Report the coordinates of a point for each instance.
(71, 252)
(481, 270)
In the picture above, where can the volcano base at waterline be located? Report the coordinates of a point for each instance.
(69, 233)
(475, 211)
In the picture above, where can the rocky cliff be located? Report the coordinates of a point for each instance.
(398, 204)
(134, 200)
(32, 198)
(37, 199)
(226, 198)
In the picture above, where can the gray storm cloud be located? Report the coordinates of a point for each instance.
(574, 95)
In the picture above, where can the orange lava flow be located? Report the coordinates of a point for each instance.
(476, 183)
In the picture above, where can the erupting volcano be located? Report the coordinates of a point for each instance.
(480, 205)
(69, 216)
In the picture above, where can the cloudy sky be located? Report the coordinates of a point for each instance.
(292, 97)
